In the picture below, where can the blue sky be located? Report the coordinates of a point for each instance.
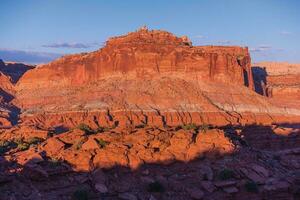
(37, 31)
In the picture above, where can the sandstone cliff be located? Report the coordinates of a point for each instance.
(145, 53)
(9, 74)
(279, 81)
(146, 77)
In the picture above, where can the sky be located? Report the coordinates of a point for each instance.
(38, 31)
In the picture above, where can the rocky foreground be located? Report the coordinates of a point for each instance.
(147, 117)
(188, 162)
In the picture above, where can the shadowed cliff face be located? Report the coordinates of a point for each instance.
(14, 70)
(9, 75)
(279, 81)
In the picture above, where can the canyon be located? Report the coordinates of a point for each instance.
(174, 120)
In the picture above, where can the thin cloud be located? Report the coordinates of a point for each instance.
(71, 45)
(224, 42)
(265, 48)
(286, 33)
(261, 48)
(29, 57)
(200, 36)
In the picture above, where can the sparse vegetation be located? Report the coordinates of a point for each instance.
(5, 146)
(251, 187)
(102, 143)
(80, 194)
(225, 174)
(204, 128)
(190, 126)
(79, 144)
(102, 129)
(23, 146)
(155, 187)
(35, 140)
(87, 129)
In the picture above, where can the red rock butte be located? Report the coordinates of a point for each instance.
(147, 77)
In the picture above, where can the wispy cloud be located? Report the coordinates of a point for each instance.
(286, 33)
(261, 48)
(265, 48)
(224, 42)
(72, 45)
(200, 36)
(29, 57)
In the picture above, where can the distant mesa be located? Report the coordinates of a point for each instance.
(14, 70)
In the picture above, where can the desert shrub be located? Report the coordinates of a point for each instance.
(80, 194)
(4, 146)
(155, 187)
(225, 174)
(204, 127)
(190, 126)
(102, 143)
(86, 128)
(251, 187)
(79, 144)
(102, 129)
(35, 140)
(23, 146)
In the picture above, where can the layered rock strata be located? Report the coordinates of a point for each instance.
(147, 77)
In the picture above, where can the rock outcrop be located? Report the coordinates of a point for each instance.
(9, 74)
(149, 163)
(142, 54)
(146, 77)
(279, 81)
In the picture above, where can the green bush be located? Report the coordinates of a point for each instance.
(79, 144)
(251, 187)
(88, 130)
(35, 140)
(102, 143)
(225, 174)
(102, 129)
(204, 128)
(190, 126)
(155, 187)
(21, 145)
(4, 146)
